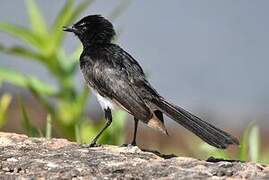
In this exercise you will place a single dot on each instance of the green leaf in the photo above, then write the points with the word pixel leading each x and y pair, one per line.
pixel 28 82
pixel 22 52
pixel 64 16
pixel 31 130
pixel 13 77
pixel 254 143
pixel 21 33
pixel 36 18
pixel 4 104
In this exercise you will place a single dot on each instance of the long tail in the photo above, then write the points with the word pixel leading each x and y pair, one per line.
pixel 204 130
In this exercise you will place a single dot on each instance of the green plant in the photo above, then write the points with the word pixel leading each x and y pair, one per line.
pixel 31 130
pixel 216 153
pixel 250 144
pixel 4 103
pixel 43 44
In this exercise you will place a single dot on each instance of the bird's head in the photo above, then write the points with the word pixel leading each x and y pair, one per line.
pixel 92 29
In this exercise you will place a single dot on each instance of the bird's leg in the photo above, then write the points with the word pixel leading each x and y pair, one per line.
pixel 108 116
pixel 135 130
pixel 133 143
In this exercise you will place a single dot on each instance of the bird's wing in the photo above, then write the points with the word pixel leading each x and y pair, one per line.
pixel 116 86
pixel 114 76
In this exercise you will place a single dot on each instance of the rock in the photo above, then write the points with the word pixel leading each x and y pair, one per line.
pixel 39 158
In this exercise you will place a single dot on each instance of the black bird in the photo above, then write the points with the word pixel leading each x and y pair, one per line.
pixel 117 79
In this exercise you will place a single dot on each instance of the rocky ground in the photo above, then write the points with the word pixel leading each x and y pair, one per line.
pixel 37 158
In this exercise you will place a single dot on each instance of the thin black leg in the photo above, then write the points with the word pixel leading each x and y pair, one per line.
pixel 108 116
pixel 135 130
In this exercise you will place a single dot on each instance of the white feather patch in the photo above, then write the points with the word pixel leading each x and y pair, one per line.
pixel 104 102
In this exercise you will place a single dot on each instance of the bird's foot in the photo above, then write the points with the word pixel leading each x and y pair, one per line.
pixel 92 144
pixel 129 145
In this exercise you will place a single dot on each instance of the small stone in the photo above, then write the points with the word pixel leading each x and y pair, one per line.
pixel 229 173
pixel 12 159
pixel 52 165
pixel 6 169
pixel 220 173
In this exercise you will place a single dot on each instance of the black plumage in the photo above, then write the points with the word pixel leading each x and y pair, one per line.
pixel 117 77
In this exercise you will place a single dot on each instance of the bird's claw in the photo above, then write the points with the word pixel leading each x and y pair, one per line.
pixel 93 144
pixel 129 145
pixel 90 145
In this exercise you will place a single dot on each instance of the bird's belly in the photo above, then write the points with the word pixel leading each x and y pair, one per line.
pixel 103 101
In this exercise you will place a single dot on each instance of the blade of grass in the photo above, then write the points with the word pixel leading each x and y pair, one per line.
pixel 4 104
pixel 246 145
pixel 243 148
pixel 48 127
pixel 43 99
pixel 77 132
pixel 254 143
pixel 31 130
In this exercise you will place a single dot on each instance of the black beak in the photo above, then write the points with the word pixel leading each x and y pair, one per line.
pixel 69 29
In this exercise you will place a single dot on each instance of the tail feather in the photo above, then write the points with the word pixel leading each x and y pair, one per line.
pixel 207 132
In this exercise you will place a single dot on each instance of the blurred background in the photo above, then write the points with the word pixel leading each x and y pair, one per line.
pixel 209 57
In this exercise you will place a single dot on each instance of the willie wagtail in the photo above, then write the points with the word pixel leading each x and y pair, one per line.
pixel 117 79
